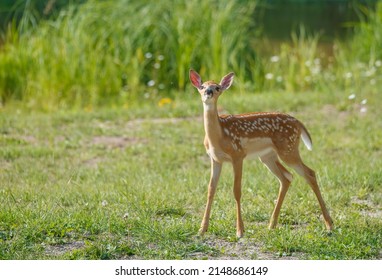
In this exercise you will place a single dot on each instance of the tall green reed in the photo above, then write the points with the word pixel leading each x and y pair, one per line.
pixel 116 51
pixel 359 61
pixel 297 66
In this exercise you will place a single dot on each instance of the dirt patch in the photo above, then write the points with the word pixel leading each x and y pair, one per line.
pixel 29 139
pixel 115 141
pixel 138 122
pixel 333 112
pixel 367 208
pixel 59 139
pixel 5 165
pixel 377 214
pixel 60 249
pixel 244 249
pixel 351 110
pixel 134 125
pixel 93 162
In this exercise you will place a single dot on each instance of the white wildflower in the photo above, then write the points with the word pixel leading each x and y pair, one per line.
pixel 269 76
pixel 363 110
pixel 370 72
pixel 315 70
pixel 348 75
pixel 275 58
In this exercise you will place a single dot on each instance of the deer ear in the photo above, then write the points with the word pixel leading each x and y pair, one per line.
pixel 195 79
pixel 227 81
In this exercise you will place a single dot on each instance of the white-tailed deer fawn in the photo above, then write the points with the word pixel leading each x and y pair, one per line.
pixel 269 136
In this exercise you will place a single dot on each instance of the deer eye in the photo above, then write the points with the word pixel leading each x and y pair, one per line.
pixel 217 88
pixel 202 87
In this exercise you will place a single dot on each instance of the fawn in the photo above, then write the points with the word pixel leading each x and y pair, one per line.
pixel 270 136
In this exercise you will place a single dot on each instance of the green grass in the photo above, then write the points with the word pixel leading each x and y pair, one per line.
pixel 131 183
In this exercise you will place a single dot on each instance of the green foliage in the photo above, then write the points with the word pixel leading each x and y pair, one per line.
pixel 116 51
pixel 360 60
pixel 367 39
pixel 297 66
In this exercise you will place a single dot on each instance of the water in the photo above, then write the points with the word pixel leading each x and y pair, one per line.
pixel 332 18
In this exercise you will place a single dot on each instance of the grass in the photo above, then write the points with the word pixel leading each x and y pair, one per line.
pixel 131 183
pixel 111 164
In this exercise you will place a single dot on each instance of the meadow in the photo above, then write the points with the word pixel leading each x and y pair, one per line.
pixel 101 153
pixel 113 184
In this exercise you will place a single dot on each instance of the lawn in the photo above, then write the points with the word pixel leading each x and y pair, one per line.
pixel 132 183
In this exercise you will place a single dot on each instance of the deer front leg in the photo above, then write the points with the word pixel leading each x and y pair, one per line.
pixel 238 169
pixel 216 168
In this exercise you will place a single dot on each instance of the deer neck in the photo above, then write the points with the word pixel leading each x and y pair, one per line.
pixel 212 125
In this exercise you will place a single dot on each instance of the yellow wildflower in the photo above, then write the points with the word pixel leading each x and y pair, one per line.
pixel 165 101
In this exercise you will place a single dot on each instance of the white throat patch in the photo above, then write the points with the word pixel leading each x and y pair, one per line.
pixel 208 106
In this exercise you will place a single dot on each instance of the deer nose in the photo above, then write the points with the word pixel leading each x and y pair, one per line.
pixel 209 91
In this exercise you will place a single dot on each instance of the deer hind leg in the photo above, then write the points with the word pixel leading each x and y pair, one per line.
pixel 310 176
pixel 238 170
pixel 215 174
pixel 285 178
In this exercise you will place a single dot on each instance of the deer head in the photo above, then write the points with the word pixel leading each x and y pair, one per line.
pixel 210 90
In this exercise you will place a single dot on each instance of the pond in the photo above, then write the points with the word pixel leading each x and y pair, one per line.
pixel 332 18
